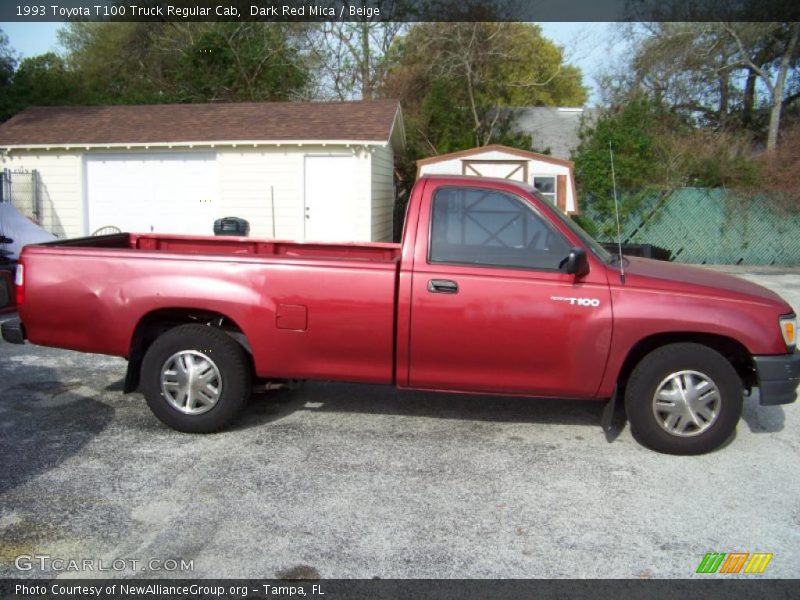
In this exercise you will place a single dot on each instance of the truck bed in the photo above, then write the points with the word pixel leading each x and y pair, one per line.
pixel 237 246
pixel 308 310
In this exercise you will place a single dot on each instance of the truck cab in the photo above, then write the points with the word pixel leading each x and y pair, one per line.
pixel 500 294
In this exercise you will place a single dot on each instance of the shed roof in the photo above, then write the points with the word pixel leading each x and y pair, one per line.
pixel 364 121
pixel 524 154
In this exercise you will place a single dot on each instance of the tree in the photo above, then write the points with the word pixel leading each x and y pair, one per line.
pixel 232 62
pixel 632 133
pixel 44 80
pixel 685 68
pixel 655 152
pixel 8 63
pixel 111 61
pixel 351 56
pixel 784 38
pixel 453 77
pixel 710 71
pixel 187 62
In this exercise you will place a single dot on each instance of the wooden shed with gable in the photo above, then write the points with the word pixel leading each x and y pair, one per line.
pixel 552 177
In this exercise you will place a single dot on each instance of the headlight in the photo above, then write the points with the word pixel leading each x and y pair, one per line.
pixel 789 331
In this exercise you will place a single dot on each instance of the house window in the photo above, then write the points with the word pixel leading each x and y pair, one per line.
pixel 475 226
pixel 546 186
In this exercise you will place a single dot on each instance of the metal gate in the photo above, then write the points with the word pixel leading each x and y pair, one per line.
pixel 21 189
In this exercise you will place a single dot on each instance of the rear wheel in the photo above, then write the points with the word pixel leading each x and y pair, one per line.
pixel 196 378
pixel 683 399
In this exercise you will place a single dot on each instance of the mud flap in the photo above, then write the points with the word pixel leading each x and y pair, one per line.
pixel 607 419
pixel 608 412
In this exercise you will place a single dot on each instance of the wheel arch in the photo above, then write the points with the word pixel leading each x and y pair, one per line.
pixel 734 351
pixel 156 322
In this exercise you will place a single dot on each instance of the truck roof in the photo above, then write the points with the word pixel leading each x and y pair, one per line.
pixel 476 181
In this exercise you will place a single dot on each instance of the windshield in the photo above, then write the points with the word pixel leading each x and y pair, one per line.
pixel 592 244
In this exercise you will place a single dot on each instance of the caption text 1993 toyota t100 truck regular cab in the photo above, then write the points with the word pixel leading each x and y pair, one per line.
pixel 492 291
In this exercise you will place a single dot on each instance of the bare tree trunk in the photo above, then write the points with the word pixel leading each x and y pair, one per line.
pixel 366 75
pixel 777 92
pixel 749 98
pixel 775 87
pixel 723 100
pixel 467 61
pixel 774 124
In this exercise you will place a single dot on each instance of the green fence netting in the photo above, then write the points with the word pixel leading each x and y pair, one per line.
pixel 711 226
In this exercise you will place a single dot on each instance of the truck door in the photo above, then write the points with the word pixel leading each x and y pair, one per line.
pixel 490 309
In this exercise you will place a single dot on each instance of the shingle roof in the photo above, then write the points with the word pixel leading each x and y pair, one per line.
pixel 553 129
pixel 174 123
pixel 494 148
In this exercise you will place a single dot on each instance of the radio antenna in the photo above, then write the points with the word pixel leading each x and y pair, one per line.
pixel 616 212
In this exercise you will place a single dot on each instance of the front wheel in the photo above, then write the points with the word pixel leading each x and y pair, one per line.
pixel 683 399
pixel 196 378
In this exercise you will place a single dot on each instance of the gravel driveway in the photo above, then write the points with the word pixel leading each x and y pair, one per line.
pixel 339 480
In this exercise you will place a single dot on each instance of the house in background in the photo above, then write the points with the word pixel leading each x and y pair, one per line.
pixel 294 170
pixel 553 177
pixel 554 130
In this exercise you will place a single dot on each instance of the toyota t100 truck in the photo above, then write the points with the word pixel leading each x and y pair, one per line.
pixel 492 291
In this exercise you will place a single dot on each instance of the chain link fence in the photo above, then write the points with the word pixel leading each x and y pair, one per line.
pixel 20 188
pixel 711 226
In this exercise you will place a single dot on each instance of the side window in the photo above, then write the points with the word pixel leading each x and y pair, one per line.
pixel 485 227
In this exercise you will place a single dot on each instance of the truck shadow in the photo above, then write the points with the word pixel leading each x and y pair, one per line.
pixel 337 397
pixel 383 400
pixel 762 419
pixel 43 422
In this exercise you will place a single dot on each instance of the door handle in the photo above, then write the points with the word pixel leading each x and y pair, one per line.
pixel 442 286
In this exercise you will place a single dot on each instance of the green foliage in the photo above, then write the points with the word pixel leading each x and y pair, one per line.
pixel 8 63
pixel 694 107
pixel 632 134
pixel 655 151
pixel 109 61
pixel 186 62
pixel 144 63
pixel 44 80
pixel 238 62
pixel 437 113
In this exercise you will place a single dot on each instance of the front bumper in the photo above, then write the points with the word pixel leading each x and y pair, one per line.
pixel 778 378
pixel 13 331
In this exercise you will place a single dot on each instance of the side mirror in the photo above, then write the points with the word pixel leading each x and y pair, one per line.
pixel 576 263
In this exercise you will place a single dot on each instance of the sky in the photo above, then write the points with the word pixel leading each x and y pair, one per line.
pixel 590 46
pixel 30 39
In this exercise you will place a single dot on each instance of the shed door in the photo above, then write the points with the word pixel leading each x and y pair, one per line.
pixel 162 193
pixel 330 198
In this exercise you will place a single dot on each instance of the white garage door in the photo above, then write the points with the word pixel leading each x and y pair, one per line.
pixel 330 198
pixel 162 193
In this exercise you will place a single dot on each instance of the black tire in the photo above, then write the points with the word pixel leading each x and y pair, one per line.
pixel 664 366
pixel 206 345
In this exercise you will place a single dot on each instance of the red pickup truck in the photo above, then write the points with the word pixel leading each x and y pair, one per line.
pixel 492 291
